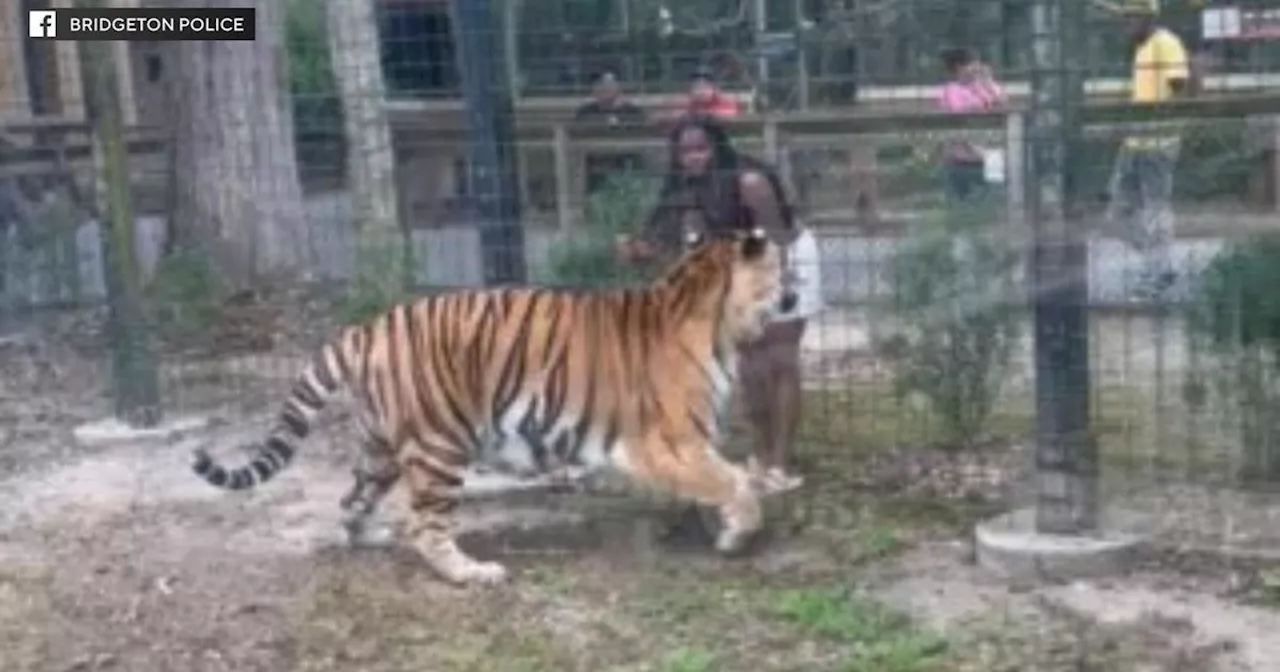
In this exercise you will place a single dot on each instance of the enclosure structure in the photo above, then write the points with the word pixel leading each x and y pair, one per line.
pixel 918 377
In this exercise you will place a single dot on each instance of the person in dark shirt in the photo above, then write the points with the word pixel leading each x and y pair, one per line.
pixel 609 106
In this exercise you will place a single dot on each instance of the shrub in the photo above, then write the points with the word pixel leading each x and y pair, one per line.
pixel 380 282
pixel 589 259
pixel 183 297
pixel 1234 317
pixel 951 284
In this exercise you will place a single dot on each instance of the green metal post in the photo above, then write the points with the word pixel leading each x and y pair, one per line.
pixel 494 181
pixel 1066 453
pixel 135 380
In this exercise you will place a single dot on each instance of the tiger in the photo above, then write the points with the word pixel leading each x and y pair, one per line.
pixel 636 379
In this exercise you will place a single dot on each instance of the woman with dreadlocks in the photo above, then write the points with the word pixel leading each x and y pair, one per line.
pixel 712 188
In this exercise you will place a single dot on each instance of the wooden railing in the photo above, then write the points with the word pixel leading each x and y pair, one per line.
pixel 427 148
pixel 776 135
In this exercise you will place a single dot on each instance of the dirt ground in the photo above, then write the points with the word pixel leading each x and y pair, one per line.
pixel 117 558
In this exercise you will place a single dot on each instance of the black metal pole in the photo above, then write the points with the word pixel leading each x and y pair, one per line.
pixel 493 180
pixel 1066 453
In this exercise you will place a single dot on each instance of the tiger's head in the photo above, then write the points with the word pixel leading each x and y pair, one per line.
pixel 735 278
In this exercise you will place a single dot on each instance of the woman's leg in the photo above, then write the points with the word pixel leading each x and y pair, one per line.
pixel 770 384
pixel 786 397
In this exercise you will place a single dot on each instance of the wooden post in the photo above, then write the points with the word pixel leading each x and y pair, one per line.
pixel 1275 163
pixel 1015 151
pixel 863 178
pixel 564 177
pixel 70 87
pixel 511 13
pixel 15 102
pixel 779 153
pixel 770 134
pixel 760 18
pixel 122 51
pixel 775 152
pixel 522 166
pixel 802 55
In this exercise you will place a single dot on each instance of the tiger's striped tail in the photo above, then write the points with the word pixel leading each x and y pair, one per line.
pixel 322 379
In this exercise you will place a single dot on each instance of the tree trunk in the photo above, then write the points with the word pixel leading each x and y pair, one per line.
pixel 237 195
pixel 383 246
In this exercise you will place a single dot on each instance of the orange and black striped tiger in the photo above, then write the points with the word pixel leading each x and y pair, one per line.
pixel 542 379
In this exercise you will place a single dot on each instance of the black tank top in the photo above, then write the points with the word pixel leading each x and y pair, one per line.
pixel 714 206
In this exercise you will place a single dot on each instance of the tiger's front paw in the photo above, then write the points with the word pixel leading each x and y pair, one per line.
pixel 734 542
pixel 742 519
pixel 479 573
pixel 364 533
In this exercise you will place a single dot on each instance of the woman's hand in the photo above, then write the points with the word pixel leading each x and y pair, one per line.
pixel 632 250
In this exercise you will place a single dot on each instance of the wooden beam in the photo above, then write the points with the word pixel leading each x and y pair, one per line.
pixel 15 99
pixel 564 178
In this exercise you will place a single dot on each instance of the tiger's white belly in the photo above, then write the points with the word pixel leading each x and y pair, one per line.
pixel 509 448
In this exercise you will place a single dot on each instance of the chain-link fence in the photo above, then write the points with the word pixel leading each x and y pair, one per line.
pixel 279 190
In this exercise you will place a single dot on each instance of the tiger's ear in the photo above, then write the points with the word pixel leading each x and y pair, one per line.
pixel 692 239
pixel 754 244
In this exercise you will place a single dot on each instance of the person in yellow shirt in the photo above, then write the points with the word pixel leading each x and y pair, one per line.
pixel 1141 187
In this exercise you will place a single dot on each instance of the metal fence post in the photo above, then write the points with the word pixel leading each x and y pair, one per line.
pixel 492 175
pixel 135 381
pixel 1066 455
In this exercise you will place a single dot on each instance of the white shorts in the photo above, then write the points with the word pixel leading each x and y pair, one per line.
pixel 803 260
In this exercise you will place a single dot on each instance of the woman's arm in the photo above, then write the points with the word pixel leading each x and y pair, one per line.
pixel 659 231
pixel 994 93
pixel 764 203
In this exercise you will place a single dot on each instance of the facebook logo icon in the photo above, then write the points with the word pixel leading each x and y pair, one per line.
pixel 42 23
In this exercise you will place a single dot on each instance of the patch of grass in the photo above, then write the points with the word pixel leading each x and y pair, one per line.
pixel 370 621
pixel 686 659
pixel 879 541
pixel 733 623
pixel 1270 587
pixel 879 639
pixel 1053 640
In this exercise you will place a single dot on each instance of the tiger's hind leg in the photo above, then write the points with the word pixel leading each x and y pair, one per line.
pixel 435 480
pixel 375 475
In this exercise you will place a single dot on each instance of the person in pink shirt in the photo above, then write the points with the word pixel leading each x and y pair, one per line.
pixel 971 88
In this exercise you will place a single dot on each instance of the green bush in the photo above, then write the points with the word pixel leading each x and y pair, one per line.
pixel 1234 317
pixel 380 282
pixel 589 258
pixel 1236 303
pixel 183 297
pixel 952 286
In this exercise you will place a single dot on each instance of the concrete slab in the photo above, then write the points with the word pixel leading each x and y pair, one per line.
pixel 1010 546
pixel 111 431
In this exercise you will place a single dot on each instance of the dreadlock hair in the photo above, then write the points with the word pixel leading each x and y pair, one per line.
pixel 716 194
